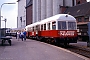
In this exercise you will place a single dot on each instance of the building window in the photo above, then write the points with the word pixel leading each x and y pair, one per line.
pixel 78 2
pixel 73 3
pixel 79 19
pixel 86 19
pixel 21 18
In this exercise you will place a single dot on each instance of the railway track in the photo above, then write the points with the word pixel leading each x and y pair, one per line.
pixel 82 50
pixel 79 50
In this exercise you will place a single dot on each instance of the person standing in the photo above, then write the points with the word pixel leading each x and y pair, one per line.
pixel 24 35
pixel 18 35
pixel 21 35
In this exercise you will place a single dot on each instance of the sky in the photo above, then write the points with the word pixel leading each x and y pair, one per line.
pixel 88 0
pixel 9 12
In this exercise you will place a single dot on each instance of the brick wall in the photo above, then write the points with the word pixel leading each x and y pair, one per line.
pixel 29 15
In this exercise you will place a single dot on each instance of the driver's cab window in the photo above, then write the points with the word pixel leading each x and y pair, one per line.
pixel 62 25
pixel 54 25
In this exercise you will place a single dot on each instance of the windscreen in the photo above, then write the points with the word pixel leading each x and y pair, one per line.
pixel 71 25
pixel 62 25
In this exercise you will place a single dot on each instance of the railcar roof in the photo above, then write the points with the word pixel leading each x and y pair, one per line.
pixel 59 17
pixel 34 24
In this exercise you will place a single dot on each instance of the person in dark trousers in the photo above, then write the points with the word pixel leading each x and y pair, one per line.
pixel 16 35
pixel 24 35
pixel 21 35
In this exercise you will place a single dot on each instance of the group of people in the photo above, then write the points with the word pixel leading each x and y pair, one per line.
pixel 21 35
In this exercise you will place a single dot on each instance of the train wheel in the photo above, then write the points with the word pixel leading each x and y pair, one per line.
pixel 48 41
pixel 39 38
pixel 66 44
pixel 56 42
pixel 53 41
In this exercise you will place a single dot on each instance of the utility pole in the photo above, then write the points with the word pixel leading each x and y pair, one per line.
pixel 88 42
pixel 5 20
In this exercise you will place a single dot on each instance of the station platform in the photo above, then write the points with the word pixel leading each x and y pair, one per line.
pixel 81 45
pixel 35 50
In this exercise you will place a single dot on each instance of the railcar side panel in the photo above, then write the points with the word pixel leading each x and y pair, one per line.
pixel 32 33
pixel 58 33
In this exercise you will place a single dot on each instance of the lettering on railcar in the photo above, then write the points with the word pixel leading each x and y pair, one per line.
pixel 66 33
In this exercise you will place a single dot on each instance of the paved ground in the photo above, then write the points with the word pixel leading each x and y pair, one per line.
pixel 82 45
pixel 35 50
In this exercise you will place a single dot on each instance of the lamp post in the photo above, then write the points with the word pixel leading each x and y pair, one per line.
pixel 1 16
pixel 5 26
pixel 5 20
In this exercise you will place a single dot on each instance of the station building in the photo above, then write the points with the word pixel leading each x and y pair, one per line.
pixel 21 19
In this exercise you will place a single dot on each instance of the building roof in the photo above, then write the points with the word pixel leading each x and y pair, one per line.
pixel 79 10
pixel 28 3
pixel 18 0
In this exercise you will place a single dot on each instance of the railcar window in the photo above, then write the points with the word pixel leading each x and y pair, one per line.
pixel 41 27
pixel 53 25
pixel 48 25
pixel 71 25
pixel 59 25
pixel 38 27
pixel 29 29
pixel 33 29
pixel 44 26
pixel 62 25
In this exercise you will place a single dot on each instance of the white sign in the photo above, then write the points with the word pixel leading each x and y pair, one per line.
pixel 67 33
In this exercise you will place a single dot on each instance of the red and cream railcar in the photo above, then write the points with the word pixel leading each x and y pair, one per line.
pixel 61 28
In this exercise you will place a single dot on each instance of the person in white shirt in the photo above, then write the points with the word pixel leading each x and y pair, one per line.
pixel 18 35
